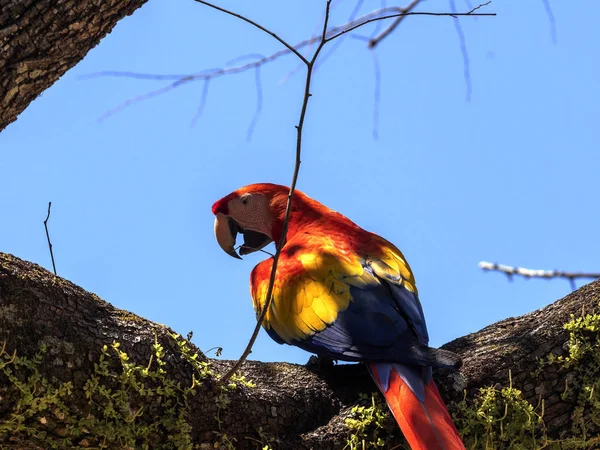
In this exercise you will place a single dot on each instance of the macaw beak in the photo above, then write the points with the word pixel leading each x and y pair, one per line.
pixel 226 230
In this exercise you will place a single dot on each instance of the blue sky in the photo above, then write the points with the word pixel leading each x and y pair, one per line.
pixel 509 177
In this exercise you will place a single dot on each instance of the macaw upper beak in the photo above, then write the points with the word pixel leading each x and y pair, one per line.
pixel 226 230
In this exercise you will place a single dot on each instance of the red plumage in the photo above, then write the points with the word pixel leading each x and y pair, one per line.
pixel 384 301
pixel 425 425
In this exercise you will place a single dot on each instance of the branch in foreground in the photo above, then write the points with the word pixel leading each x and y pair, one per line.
pixel 299 128
pixel 291 407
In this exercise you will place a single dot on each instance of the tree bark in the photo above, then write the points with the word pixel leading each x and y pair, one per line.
pixel 298 407
pixel 41 39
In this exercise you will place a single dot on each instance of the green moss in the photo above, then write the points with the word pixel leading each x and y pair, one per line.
pixel 583 383
pixel 122 405
pixel 129 316
pixel 366 424
pixel 499 418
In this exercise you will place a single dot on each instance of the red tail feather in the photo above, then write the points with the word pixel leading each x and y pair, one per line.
pixel 426 426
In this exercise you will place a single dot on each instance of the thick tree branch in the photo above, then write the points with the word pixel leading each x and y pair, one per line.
pixel 41 39
pixel 299 408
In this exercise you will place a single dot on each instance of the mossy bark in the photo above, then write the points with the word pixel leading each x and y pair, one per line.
pixel 41 39
pixel 300 408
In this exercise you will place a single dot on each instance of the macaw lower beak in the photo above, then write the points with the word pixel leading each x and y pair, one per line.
pixel 226 230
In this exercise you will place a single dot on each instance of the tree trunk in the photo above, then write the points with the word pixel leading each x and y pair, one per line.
pixel 73 396
pixel 41 39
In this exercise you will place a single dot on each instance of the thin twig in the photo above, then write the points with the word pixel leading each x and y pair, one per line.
pixel 260 27
pixel 551 19
pixel 48 237
pixel 259 102
pixel 376 95
pixel 462 40
pixel 202 104
pixel 330 51
pixel 533 273
pixel 259 91
pixel 411 13
pixel 299 128
pixel 333 33
pixel 376 40
pixel 481 5
pixel 378 25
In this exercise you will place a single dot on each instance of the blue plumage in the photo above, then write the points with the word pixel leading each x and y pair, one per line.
pixel 384 322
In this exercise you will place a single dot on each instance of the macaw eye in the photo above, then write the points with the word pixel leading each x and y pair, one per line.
pixel 245 200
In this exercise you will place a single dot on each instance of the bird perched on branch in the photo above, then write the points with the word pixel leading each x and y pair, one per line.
pixel 343 293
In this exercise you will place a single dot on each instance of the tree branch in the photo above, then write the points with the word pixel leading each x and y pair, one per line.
pixel 411 13
pixel 536 273
pixel 462 40
pixel 332 34
pixel 299 408
pixel 376 40
pixel 260 27
pixel 43 39
pixel 552 21
pixel 324 39
pixel 48 237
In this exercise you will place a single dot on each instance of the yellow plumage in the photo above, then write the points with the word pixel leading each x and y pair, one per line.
pixel 313 286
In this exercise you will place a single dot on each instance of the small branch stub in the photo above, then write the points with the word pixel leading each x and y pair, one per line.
pixel 48 237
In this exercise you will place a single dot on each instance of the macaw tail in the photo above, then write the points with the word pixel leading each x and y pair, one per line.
pixel 418 408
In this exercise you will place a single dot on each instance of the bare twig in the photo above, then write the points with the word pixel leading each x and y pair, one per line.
pixel 259 93
pixel 378 25
pixel 48 237
pixel 333 48
pixel 532 273
pixel 377 95
pixel 260 27
pixel 462 40
pixel 481 5
pixel 202 104
pixel 299 128
pixel 259 102
pixel 552 20
pixel 410 13
pixel 335 32
pixel 325 37
pixel 376 40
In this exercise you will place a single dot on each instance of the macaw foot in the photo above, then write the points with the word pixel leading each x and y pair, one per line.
pixel 319 363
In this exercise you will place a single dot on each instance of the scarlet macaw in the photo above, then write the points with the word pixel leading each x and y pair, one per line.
pixel 344 293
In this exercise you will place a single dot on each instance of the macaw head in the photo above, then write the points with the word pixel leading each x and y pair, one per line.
pixel 253 211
